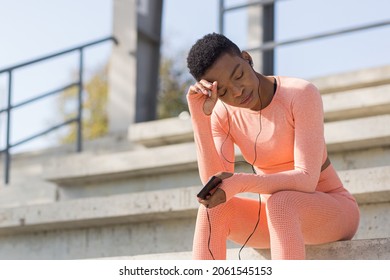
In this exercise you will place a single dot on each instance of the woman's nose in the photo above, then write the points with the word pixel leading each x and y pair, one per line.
pixel 236 91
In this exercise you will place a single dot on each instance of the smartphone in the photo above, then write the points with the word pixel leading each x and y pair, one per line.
pixel 210 185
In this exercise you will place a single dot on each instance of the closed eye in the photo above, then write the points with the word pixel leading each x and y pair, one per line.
pixel 223 94
pixel 240 76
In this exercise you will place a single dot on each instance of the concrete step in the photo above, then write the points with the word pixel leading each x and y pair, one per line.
pixel 149 222
pixel 76 168
pixel 340 136
pixel 357 103
pixel 364 249
pixel 368 77
pixel 175 130
pixel 349 95
pixel 16 195
pixel 358 134
pixel 369 186
pixel 166 167
pixel 181 130
pixel 27 168
pixel 161 132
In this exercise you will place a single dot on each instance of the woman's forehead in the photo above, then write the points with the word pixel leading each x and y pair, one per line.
pixel 223 68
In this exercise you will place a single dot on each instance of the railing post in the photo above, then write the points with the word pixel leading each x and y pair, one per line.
pixel 7 158
pixel 268 36
pixel 221 16
pixel 80 105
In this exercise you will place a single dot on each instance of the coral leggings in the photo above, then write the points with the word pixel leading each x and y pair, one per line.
pixel 288 221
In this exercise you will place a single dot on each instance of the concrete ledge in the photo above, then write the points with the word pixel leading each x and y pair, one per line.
pixel 118 209
pixel 366 249
pixel 342 107
pixel 347 95
pixel 368 185
pixel 358 133
pixel 161 132
pixel 352 80
pixel 357 103
pixel 15 196
pixel 340 136
pixel 89 168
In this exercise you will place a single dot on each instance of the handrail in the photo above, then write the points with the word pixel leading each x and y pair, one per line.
pixel 59 53
pixel 273 45
pixel 78 119
pixel 269 45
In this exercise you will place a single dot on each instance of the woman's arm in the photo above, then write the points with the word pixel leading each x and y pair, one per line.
pixel 210 161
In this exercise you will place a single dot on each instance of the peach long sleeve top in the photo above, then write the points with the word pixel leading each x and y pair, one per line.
pixel 288 153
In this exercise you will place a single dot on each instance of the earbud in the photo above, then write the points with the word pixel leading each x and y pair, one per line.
pixel 250 62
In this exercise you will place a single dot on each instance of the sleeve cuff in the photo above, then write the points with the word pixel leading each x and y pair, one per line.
pixel 230 186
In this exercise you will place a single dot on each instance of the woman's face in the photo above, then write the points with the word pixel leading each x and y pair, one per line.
pixel 238 84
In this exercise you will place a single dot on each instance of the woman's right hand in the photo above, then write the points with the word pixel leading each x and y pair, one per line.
pixel 208 92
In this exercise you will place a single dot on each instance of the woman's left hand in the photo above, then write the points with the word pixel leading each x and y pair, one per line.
pixel 218 196
pixel 215 199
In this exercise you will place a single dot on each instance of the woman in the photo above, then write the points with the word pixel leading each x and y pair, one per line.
pixel 277 122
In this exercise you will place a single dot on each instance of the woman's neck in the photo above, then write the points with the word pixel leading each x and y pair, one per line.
pixel 266 89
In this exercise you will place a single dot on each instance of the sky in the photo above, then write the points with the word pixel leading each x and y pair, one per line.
pixel 34 28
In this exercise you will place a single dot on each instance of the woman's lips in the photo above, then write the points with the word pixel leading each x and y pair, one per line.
pixel 246 99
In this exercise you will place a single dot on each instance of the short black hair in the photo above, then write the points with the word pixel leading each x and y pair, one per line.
pixel 206 51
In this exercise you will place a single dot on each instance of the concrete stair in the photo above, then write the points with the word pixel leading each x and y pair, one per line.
pixel 139 202
pixel 370 249
pixel 169 215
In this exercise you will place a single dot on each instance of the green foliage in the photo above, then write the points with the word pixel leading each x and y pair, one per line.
pixel 95 120
pixel 174 83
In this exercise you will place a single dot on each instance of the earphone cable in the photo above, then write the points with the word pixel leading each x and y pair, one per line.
pixel 249 237
pixel 209 241
pixel 252 165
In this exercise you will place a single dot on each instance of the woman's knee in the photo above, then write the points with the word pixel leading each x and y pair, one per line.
pixel 221 212
pixel 282 200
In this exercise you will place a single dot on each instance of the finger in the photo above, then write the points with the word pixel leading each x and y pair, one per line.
pixel 203 201
pixel 198 89
pixel 223 175
pixel 206 84
pixel 217 198
pixel 214 90
pixel 211 202
pixel 193 89
pixel 202 89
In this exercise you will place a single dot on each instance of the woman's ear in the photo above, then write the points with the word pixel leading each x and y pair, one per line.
pixel 245 55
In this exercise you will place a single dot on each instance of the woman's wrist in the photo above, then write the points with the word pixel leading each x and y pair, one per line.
pixel 195 106
pixel 229 186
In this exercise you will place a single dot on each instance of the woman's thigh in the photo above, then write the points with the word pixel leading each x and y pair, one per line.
pixel 323 217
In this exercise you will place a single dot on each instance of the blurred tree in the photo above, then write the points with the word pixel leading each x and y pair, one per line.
pixel 95 120
pixel 174 83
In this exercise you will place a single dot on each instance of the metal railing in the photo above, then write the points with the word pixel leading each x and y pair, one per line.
pixel 10 106
pixel 269 44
